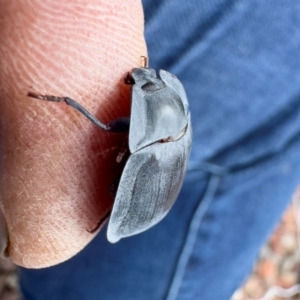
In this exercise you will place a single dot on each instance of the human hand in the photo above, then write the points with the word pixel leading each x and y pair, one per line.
pixel 57 166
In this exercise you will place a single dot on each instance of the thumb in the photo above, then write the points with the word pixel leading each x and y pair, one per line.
pixel 57 167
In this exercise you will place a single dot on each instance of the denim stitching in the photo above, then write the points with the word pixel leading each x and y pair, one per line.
pixel 191 237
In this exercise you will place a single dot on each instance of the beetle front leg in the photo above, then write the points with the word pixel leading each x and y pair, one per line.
pixel 101 221
pixel 118 125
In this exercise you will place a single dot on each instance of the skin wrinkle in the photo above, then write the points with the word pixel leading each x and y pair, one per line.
pixel 57 167
pixel 106 29
pixel 71 48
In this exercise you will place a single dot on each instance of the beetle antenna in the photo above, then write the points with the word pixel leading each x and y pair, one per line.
pixel 144 62
pixel 72 103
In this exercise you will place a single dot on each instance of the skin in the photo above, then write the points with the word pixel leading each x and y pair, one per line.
pixel 57 167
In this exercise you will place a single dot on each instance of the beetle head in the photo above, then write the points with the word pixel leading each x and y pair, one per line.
pixel 146 79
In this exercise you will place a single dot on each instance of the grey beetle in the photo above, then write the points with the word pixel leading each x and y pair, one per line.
pixel 159 142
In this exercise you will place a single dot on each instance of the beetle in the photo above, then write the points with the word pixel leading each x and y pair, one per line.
pixel 159 142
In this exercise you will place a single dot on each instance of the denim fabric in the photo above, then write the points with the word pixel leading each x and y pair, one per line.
pixel 239 62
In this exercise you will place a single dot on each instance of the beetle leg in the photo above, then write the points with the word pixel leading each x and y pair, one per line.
pixel 114 187
pixel 102 220
pixel 119 125
pixel 123 151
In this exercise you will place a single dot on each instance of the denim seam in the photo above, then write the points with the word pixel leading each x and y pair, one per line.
pixel 191 237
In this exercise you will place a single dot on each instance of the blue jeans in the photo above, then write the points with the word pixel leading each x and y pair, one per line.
pixel 239 62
